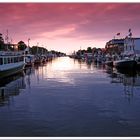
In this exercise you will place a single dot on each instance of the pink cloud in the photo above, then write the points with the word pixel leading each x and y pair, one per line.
pixel 81 21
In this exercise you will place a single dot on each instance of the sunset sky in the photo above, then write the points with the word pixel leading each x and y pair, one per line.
pixel 68 26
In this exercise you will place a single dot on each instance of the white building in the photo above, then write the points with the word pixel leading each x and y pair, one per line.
pixel 137 45
pixel 125 45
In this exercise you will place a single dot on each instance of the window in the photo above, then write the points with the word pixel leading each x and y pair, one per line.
pixel 21 58
pixel 16 58
pixel 9 60
pixel 12 60
pixel 5 60
pixel 1 61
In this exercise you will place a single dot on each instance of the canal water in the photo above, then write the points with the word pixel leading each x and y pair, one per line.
pixel 67 97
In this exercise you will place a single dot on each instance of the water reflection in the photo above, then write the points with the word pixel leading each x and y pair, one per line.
pixel 10 86
pixel 28 73
pixel 67 97
pixel 68 71
pixel 59 70
pixel 129 79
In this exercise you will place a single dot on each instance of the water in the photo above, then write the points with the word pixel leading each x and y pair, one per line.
pixel 67 97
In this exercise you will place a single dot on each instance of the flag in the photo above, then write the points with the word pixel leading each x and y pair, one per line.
pixel 118 33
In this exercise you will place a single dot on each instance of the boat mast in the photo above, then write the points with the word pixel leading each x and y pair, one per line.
pixel 7 39
pixel 131 39
pixel 37 47
pixel 28 44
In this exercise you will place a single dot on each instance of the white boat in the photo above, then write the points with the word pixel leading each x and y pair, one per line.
pixel 29 60
pixel 108 60
pixel 127 59
pixel 11 63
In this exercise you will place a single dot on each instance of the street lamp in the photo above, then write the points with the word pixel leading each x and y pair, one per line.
pixel 28 41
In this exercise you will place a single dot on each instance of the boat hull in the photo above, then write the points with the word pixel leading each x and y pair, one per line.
pixel 138 65
pixel 125 64
pixel 109 63
pixel 11 71
pixel 29 64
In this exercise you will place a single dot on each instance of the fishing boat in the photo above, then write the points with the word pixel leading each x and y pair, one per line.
pixel 127 58
pixel 126 62
pixel 138 61
pixel 38 59
pixel 109 60
pixel 11 63
pixel 29 60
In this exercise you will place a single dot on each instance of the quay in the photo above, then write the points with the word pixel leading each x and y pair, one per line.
pixel 119 53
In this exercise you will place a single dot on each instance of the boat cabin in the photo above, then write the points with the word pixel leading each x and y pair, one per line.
pixel 8 58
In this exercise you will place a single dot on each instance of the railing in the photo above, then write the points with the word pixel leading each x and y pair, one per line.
pixel 10 53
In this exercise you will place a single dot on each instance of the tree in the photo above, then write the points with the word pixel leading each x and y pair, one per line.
pixel 1 42
pixel 21 45
pixel 89 50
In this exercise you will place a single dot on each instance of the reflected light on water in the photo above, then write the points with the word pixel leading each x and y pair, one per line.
pixel 63 64
pixel 60 70
pixel 65 70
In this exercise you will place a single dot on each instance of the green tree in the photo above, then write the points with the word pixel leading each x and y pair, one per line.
pixel 1 42
pixel 89 50
pixel 21 45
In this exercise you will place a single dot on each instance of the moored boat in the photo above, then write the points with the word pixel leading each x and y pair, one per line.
pixel 138 61
pixel 38 60
pixel 125 63
pixel 11 63
pixel 109 63
pixel 127 58
pixel 29 60
pixel 109 60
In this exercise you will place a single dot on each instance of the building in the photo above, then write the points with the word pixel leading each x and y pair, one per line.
pixel 119 45
pixel 137 45
pixel 115 46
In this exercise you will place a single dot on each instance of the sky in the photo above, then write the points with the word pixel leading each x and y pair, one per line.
pixel 69 26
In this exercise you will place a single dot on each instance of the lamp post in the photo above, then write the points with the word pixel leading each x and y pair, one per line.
pixel 28 41
pixel 37 48
pixel 7 39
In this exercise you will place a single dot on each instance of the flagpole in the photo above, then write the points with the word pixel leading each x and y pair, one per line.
pixel 28 44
